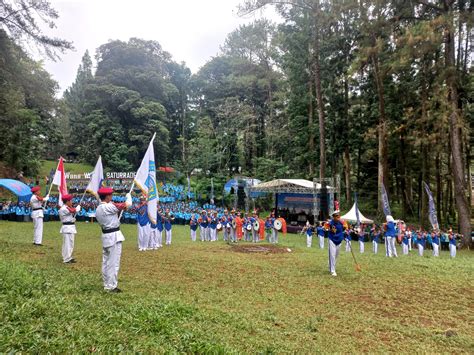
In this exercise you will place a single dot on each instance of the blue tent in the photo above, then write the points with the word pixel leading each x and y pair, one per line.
pixel 20 189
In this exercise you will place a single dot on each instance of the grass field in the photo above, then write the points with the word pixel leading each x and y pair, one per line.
pixel 205 297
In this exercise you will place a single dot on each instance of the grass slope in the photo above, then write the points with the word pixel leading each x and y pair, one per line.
pixel 204 297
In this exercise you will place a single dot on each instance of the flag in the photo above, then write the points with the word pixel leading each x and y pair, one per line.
pixel 96 179
pixel 432 208
pixel 385 203
pixel 357 210
pixel 59 180
pixel 189 187
pixel 145 179
pixel 212 191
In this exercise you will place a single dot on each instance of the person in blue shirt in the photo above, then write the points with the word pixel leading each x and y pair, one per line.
pixel 435 243
pixel 335 235
pixel 361 240
pixel 405 243
pixel 255 233
pixel 309 234
pixel 375 240
pixel 225 225
pixel 320 231
pixel 452 244
pixel 193 225
pixel 390 237
pixel 203 226
pixel 143 223
pixel 268 229
pixel 153 241
pixel 168 217
pixel 421 242
pixel 159 229
pixel 213 227
pixel 348 240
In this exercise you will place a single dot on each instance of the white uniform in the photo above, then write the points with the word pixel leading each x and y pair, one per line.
pixel 37 217
pixel 68 230
pixel 112 238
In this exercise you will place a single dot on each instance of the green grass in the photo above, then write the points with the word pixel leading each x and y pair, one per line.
pixel 204 297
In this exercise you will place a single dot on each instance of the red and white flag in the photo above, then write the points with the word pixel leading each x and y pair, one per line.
pixel 60 180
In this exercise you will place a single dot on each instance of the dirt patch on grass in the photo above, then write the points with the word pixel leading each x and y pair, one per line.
pixel 260 249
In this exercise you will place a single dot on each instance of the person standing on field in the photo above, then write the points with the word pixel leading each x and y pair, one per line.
pixel 37 214
pixel 107 215
pixel 67 215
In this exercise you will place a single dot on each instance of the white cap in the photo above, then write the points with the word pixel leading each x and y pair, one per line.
pixel 390 219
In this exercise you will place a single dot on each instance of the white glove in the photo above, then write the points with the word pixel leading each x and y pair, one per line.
pixel 46 198
pixel 78 208
pixel 128 200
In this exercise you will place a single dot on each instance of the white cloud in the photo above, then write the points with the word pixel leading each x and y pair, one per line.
pixel 192 31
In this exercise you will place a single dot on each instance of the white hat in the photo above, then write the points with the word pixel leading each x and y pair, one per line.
pixel 390 219
pixel 337 212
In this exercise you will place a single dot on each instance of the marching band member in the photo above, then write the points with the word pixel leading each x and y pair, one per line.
pixel 421 241
pixel 168 226
pixel 309 234
pixel 435 243
pixel 203 225
pixel 336 235
pixel 67 215
pixel 361 240
pixel 268 229
pixel 246 223
pixel 112 238
pixel 159 229
pixel 153 240
pixel 274 230
pixel 233 231
pixel 193 225
pixel 405 243
pixel 225 226
pixel 143 223
pixel 320 231
pixel 452 244
pixel 409 238
pixel 255 235
pixel 239 226
pixel 375 241
pixel 348 239
pixel 390 237
pixel 213 227
pixel 37 214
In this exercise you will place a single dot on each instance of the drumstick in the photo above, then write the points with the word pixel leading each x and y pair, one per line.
pixel 357 266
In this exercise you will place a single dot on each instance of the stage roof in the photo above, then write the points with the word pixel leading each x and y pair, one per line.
pixel 301 186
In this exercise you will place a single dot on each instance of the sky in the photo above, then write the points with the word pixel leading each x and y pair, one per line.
pixel 191 30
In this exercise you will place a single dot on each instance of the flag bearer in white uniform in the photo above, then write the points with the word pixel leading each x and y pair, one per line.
pixel 36 203
pixel 67 215
pixel 107 215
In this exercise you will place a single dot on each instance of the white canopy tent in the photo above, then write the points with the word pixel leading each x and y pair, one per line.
pixel 288 186
pixel 351 216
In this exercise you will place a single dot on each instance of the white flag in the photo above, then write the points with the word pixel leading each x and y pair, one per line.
pixel 96 179
pixel 145 179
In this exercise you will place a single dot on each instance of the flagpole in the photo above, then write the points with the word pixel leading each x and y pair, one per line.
pixel 51 183
pixel 133 183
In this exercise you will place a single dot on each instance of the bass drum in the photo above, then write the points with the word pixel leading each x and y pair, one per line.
pixel 277 224
pixel 256 226
pixel 219 226
pixel 234 224
pixel 249 227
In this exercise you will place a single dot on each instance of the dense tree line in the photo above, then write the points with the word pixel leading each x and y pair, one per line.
pixel 377 92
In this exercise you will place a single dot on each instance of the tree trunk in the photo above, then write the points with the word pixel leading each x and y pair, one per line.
pixel 403 177
pixel 346 155
pixel 439 189
pixel 382 133
pixel 455 122
pixel 310 123
pixel 319 98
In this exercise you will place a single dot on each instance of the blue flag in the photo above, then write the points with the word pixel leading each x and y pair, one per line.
pixel 432 208
pixel 385 203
